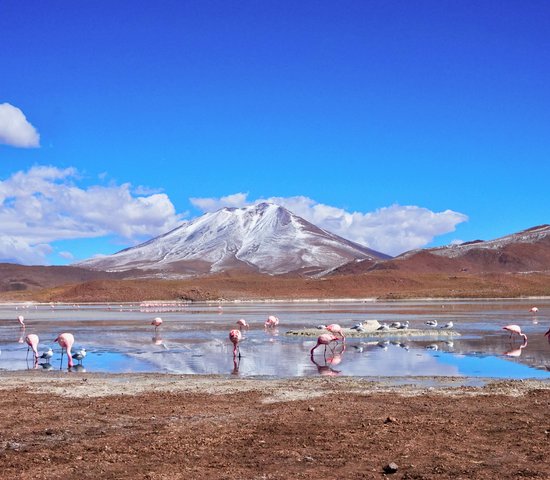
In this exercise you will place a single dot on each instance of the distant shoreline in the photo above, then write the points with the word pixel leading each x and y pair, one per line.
pixel 275 300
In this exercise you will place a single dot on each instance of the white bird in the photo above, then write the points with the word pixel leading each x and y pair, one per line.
pixel 47 354
pixel 404 326
pixel 534 310
pixel 395 324
pixel 431 323
pixel 433 346
pixel 384 326
pixel 79 356
pixel 448 325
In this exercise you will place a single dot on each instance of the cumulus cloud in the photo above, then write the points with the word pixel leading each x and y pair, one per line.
pixel 45 204
pixel 236 200
pixel 15 129
pixel 392 230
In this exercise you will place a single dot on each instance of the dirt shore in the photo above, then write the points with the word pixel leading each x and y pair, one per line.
pixel 149 426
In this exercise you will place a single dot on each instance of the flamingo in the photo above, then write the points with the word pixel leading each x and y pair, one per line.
pixel 547 334
pixel 32 341
pixel 534 310
pixel 235 337
pixel 324 339
pixel 336 329
pixel 515 329
pixel 21 320
pixel 157 322
pixel 272 321
pixel 66 341
pixel 242 324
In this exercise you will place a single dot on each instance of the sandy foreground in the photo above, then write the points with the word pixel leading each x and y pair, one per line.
pixel 159 426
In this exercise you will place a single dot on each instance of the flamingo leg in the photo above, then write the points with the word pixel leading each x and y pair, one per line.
pixel 61 363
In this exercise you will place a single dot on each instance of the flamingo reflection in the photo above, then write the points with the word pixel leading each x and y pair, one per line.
pixel 323 368
pixel 236 365
pixel 159 341
pixel 516 352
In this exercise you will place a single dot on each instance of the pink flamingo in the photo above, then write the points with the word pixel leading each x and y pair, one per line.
pixel 271 322
pixel 534 310
pixel 66 341
pixel 336 329
pixel 547 334
pixel 242 324
pixel 235 337
pixel 21 320
pixel 32 341
pixel 157 322
pixel 324 339
pixel 515 329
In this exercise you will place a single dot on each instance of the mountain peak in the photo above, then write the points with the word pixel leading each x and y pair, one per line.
pixel 265 237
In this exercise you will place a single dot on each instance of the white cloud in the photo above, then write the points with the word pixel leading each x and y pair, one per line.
pixel 66 255
pixel 236 200
pixel 15 129
pixel 44 204
pixel 393 230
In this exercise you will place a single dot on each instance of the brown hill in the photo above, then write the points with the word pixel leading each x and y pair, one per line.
pixel 389 284
pixel 522 252
pixel 512 266
pixel 14 278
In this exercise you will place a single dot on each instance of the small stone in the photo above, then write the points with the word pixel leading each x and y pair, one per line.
pixel 390 420
pixel 391 468
pixel 309 459
pixel 311 409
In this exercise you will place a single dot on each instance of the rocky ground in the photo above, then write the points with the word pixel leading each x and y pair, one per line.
pixel 146 426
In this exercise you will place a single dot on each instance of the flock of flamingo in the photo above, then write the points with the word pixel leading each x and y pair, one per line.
pixel 334 335
pixel 65 341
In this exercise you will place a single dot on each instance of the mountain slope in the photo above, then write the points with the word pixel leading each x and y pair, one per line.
pixel 525 251
pixel 263 238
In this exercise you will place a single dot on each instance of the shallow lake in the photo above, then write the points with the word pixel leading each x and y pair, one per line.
pixel 193 339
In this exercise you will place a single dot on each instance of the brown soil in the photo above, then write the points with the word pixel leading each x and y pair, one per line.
pixel 376 284
pixel 180 427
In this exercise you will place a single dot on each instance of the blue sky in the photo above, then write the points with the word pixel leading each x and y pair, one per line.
pixel 394 123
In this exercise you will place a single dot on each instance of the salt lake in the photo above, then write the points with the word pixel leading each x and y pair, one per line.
pixel 193 338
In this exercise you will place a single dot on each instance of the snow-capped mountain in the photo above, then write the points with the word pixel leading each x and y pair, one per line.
pixel 532 236
pixel 264 238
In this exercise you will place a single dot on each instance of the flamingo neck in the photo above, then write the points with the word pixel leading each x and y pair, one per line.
pixel 69 356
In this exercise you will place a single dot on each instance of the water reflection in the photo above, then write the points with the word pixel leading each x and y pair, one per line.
pixel 324 367
pixel 194 339
pixel 516 352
